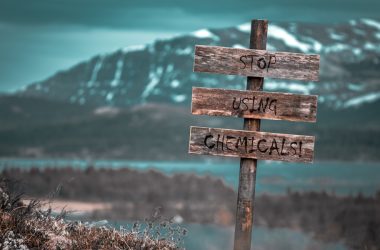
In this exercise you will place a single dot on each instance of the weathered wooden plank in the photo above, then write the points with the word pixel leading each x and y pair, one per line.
pixel 248 167
pixel 258 63
pixel 251 144
pixel 254 104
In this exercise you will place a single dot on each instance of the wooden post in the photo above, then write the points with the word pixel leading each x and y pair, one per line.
pixel 248 167
pixel 255 63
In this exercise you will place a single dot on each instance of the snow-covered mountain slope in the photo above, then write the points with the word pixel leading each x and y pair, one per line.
pixel 162 71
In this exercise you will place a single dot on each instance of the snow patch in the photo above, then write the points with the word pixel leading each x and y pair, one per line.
pixel 154 80
pixel 270 47
pixel 205 33
pixel 95 71
pixel 362 99
pixel 371 46
pixel 238 46
pixel 336 36
pixel 371 23
pixel 109 96
pixel 169 68
pixel 118 72
pixel 245 27
pixel 106 111
pixel 290 40
pixel 179 98
pixel 185 51
pixel 355 87
pixel 174 83
pixel 337 47
pixel 209 82
pixel 133 48
pixel 317 46
pixel 296 87
pixel 159 70
pixel 359 32
pixel 231 77
pixel 357 51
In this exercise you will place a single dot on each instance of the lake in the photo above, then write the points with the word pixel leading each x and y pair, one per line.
pixel 272 177
pixel 211 237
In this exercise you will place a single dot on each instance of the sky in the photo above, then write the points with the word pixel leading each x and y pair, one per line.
pixel 41 37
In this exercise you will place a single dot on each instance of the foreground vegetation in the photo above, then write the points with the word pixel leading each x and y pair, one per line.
pixel 133 194
pixel 25 226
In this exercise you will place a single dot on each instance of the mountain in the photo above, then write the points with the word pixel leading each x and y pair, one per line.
pixel 33 127
pixel 135 103
pixel 161 72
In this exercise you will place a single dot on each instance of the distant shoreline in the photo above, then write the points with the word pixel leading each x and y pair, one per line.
pixel 129 195
pixel 209 160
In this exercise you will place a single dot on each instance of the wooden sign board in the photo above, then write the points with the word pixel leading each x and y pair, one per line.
pixel 258 63
pixel 251 144
pixel 254 104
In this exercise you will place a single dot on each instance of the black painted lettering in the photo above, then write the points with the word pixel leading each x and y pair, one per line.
pixel 274 147
pixel 282 147
pixel 219 142
pixel 292 146
pixel 271 62
pixel 273 106
pixel 210 146
pixel 300 145
pixel 252 148
pixel 241 59
pixel 242 142
pixel 251 56
pixel 228 138
pixel 253 105
pixel 233 103
pixel 261 63
pixel 245 104
pixel 262 106
pixel 258 146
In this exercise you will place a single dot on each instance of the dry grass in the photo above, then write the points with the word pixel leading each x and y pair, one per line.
pixel 25 226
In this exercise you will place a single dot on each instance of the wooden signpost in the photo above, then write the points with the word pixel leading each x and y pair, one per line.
pixel 253 104
pixel 251 144
pixel 253 62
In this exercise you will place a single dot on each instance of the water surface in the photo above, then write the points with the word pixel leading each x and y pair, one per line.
pixel 272 177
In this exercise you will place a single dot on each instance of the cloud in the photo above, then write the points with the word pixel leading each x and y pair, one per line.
pixel 31 53
pixel 39 37
pixel 171 14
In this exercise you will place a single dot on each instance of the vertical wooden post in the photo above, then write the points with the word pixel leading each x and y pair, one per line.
pixel 248 167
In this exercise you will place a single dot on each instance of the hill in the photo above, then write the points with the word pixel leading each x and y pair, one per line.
pixel 42 128
pixel 162 71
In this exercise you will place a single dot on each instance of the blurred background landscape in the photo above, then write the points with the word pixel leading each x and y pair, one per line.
pixel 95 114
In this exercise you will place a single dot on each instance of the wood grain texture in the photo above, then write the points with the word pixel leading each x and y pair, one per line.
pixel 248 167
pixel 254 62
pixel 251 144
pixel 254 104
